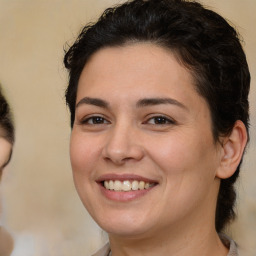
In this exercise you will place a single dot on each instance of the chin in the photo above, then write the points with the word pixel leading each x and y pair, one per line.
pixel 124 226
pixel 124 231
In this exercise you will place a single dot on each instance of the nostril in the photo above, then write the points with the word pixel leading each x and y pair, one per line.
pixel 122 147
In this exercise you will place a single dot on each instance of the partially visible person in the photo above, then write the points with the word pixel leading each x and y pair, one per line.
pixel 6 144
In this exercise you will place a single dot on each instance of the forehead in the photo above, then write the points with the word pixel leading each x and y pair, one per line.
pixel 141 64
pixel 131 53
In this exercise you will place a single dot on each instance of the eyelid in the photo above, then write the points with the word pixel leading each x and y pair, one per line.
pixel 170 121
pixel 85 119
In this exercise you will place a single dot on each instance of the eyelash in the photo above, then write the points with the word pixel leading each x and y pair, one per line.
pixel 158 120
pixel 95 120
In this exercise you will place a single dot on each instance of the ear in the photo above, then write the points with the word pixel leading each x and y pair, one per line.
pixel 232 150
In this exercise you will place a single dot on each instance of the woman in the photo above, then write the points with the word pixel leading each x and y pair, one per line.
pixel 158 95
pixel 6 143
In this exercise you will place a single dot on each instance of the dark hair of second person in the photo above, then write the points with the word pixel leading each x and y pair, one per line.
pixel 6 122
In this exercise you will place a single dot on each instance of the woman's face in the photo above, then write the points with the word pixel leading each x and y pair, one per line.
pixel 5 151
pixel 142 129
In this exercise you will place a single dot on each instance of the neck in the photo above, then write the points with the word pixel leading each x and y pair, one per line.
pixel 197 240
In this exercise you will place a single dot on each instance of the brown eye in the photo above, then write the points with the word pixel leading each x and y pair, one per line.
pixel 160 120
pixel 94 120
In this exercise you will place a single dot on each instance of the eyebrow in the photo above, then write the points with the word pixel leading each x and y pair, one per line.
pixel 159 101
pixel 93 101
pixel 141 103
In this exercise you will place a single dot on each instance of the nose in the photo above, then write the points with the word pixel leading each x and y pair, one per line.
pixel 123 145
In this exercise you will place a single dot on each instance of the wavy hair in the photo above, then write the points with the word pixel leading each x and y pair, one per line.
pixel 203 41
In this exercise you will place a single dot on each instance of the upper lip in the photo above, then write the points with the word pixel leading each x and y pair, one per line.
pixel 123 177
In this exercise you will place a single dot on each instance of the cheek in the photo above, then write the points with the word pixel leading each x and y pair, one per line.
pixel 188 168
pixel 171 153
pixel 84 153
pixel 83 156
pixel 185 159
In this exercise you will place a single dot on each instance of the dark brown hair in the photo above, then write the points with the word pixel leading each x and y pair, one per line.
pixel 6 121
pixel 203 41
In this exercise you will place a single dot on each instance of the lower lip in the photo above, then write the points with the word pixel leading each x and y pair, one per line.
pixel 122 196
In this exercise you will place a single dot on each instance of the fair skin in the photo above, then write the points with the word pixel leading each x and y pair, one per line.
pixel 6 241
pixel 139 118
pixel 5 151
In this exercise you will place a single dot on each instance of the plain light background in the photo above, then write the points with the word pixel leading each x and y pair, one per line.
pixel 41 207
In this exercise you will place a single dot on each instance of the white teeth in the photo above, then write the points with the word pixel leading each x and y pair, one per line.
pixel 111 184
pixel 135 185
pixel 126 185
pixel 117 185
pixel 106 185
pixel 141 185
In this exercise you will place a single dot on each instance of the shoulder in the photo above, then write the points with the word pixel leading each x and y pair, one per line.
pixel 104 251
pixel 229 243
pixel 6 242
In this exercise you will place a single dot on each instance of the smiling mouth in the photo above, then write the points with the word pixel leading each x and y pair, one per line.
pixel 127 185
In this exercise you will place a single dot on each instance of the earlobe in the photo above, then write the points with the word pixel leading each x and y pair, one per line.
pixel 232 150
